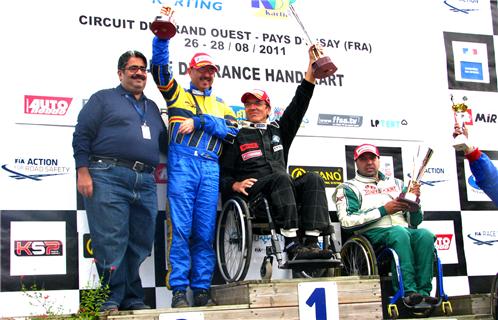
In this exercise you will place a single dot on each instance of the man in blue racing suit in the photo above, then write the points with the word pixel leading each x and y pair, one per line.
pixel 198 122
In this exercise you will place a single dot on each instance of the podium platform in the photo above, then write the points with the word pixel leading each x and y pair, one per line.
pixel 358 297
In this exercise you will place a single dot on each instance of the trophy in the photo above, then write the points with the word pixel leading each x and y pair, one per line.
pixel 164 26
pixel 323 67
pixel 416 176
pixel 460 142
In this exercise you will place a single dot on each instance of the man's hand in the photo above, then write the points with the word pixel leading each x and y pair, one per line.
pixel 312 54
pixel 394 206
pixel 187 126
pixel 241 186
pixel 463 130
pixel 460 130
pixel 85 182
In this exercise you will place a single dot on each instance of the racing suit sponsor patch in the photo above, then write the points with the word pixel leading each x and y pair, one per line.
pixel 251 154
pixel 246 146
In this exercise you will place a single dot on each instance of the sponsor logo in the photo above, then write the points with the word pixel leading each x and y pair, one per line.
pixel 240 113
pixel 484 237
pixel 462 6
pixel 433 171
pixel 34 168
pixel 471 70
pixel 339 120
pixel 53 106
pixel 332 176
pixel 443 241
pixel 390 124
pixel 488 118
pixel 278 148
pixel 266 238
pixel 87 246
pixel 305 122
pixel 161 174
pixel 272 8
pixel 251 154
pixel 37 248
pixel 276 114
pixel 196 4
pixel 472 182
pixel 247 146
pixel 466 117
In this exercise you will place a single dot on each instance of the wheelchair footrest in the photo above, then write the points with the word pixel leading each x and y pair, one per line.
pixel 421 306
pixel 311 263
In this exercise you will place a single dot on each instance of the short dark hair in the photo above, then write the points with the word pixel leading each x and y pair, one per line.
pixel 123 60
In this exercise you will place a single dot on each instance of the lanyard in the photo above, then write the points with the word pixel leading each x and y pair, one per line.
pixel 137 108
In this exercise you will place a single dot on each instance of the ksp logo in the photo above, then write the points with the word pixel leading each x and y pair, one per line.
pixel 443 241
pixel 53 106
pixel 37 248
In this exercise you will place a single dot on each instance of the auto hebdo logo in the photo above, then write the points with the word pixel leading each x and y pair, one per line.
pixel 443 241
pixel 42 105
pixel 37 248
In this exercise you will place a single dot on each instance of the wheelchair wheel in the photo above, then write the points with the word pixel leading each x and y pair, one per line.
pixel 494 297
pixel 358 257
pixel 234 240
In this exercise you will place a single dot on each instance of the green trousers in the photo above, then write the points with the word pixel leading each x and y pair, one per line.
pixel 415 248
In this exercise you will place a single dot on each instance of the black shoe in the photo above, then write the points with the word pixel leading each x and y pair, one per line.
pixel 203 298
pixel 138 306
pixel 431 300
pixel 413 299
pixel 296 251
pixel 108 308
pixel 320 253
pixel 179 299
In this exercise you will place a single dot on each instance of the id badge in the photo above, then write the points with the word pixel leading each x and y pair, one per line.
pixel 146 132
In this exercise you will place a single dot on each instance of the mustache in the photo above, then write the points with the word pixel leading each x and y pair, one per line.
pixel 206 78
pixel 138 76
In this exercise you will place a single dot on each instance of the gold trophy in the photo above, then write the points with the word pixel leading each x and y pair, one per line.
pixel 460 142
pixel 418 170
pixel 323 67
pixel 164 26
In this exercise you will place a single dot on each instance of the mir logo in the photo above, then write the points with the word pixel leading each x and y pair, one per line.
pixel 37 248
pixel 272 4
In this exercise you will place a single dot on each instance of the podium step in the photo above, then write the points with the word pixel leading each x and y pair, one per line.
pixel 358 297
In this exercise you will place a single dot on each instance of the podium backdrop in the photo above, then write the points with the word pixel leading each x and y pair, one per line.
pixel 398 64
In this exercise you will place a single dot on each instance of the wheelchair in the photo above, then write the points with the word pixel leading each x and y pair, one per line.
pixel 359 258
pixel 238 221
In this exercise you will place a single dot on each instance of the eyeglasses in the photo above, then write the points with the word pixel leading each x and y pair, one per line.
pixel 134 69
pixel 208 69
pixel 259 103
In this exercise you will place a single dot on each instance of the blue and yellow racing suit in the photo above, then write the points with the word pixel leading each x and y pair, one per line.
pixel 193 173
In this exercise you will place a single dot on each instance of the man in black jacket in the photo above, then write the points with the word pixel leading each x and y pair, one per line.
pixel 256 163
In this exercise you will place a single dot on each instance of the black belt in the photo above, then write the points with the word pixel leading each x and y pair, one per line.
pixel 133 165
